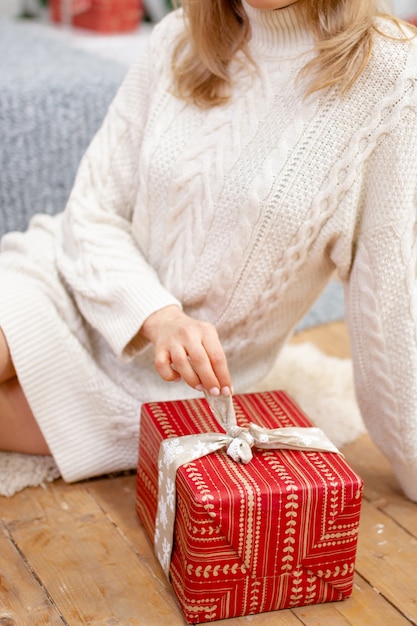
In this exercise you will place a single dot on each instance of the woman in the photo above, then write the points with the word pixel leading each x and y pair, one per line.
pixel 256 148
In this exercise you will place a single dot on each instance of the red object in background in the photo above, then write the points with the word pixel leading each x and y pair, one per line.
pixel 279 532
pixel 105 16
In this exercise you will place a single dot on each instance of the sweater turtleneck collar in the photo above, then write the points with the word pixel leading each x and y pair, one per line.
pixel 280 31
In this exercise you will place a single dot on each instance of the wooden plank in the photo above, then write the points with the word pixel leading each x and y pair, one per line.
pixel 381 486
pixel 116 497
pixel 387 560
pixel 22 599
pixel 322 615
pixel 332 339
pixel 89 569
pixel 284 618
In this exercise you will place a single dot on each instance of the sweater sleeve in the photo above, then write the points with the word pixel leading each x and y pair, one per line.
pixel 381 303
pixel 113 285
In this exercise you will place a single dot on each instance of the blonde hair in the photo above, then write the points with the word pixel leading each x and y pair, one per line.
pixel 342 29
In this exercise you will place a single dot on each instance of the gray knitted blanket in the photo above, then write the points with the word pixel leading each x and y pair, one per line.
pixel 52 100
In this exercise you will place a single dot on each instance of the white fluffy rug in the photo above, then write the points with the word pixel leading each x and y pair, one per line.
pixel 18 471
pixel 322 386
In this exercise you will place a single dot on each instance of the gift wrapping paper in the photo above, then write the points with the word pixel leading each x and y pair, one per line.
pixel 278 532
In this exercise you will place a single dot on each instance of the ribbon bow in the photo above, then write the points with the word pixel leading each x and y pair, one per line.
pixel 177 451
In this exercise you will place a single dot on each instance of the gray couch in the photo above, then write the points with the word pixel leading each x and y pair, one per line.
pixel 52 100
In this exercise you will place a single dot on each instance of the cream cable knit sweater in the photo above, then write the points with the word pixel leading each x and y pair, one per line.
pixel 240 213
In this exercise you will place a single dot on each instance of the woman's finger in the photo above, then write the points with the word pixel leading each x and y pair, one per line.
pixel 218 362
pixel 209 362
pixel 164 366
pixel 182 363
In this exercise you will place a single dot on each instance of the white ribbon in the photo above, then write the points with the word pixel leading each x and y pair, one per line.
pixel 177 451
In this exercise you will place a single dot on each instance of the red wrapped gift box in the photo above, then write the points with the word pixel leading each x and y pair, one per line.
pixel 276 533
pixel 105 16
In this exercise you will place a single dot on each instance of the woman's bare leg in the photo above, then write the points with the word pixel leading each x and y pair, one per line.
pixel 19 431
pixel 6 364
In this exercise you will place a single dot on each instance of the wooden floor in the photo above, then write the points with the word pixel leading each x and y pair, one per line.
pixel 76 554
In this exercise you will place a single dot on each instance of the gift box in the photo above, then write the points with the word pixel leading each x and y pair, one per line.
pixel 105 16
pixel 277 532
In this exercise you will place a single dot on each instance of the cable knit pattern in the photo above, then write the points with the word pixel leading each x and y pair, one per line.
pixel 240 213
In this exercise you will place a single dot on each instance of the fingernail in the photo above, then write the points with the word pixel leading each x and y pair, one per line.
pixel 199 387
pixel 225 391
pixel 214 391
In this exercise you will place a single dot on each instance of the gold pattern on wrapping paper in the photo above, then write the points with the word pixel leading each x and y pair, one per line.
pixel 148 484
pixel 210 571
pixel 311 588
pixel 209 610
pixel 291 515
pixel 348 568
pixel 349 535
pixel 163 421
pixel 292 489
pixel 248 546
pixel 202 488
pixel 297 588
pixel 254 595
pixel 333 482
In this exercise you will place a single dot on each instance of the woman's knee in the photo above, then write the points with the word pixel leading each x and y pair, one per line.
pixel 7 369
pixel 19 431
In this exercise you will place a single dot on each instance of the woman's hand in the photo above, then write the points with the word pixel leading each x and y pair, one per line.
pixel 187 349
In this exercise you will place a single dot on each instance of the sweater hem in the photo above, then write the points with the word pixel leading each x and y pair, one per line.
pixel 55 386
